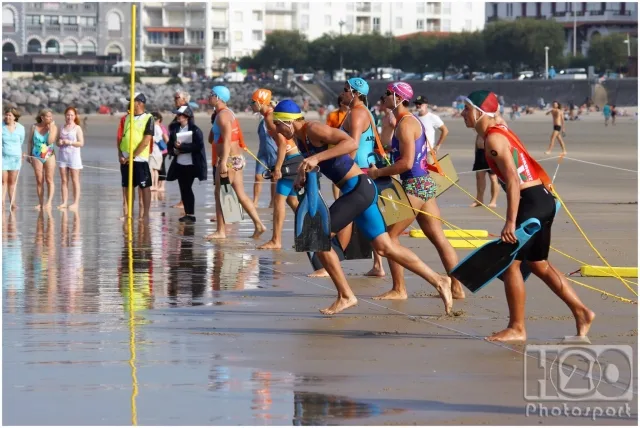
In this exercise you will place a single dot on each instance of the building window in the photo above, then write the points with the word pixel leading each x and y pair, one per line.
pixel 446 25
pixel 114 25
pixel 376 25
pixel 196 36
pixel 304 22
pixel 509 9
pixel 468 25
pixel 88 47
pixel 420 7
pixel 31 19
pixel 420 24
pixel 8 21
pixel 52 20
pixel 69 47
pixel 398 23
pixel 87 21
pixel 237 16
pixel 327 20
pixel 446 8
pixel 304 6
pixel 594 6
pixel 154 38
pixel 52 47
pixel 469 6
pixel 34 46
pixel 176 38
pixel 237 36
pixel 70 20
pixel 257 15
pixel 256 35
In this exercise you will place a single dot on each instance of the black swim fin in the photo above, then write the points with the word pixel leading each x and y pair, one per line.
pixel 315 261
pixel 312 221
pixel 491 260
pixel 359 247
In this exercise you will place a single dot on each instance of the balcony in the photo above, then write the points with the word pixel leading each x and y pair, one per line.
pixel 363 7
pixel 34 28
pixel 363 29
pixel 8 28
pixel 220 43
pixel 52 28
pixel 493 18
pixel 598 17
pixel 433 9
pixel 70 28
pixel 278 7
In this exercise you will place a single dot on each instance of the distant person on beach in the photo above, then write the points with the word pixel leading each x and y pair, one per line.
pixel 190 159
pixel 558 127
pixel 614 113
pixel 42 139
pixel 431 123
pixel 69 160
pixel 606 111
pixel 142 129
pixel 180 98
pixel 161 138
pixel 12 140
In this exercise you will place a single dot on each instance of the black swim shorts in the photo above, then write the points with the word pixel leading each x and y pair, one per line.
pixel 536 202
pixel 141 175
pixel 557 128
pixel 480 162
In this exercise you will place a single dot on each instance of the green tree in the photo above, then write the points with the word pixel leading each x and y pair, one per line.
pixel 283 49
pixel 610 52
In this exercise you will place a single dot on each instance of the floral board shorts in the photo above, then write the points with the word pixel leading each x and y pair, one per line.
pixel 236 162
pixel 421 187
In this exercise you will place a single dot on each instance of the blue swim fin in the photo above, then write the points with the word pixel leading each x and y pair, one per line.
pixel 312 221
pixel 491 260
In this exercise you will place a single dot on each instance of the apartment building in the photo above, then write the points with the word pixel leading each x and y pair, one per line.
pixel 591 19
pixel 398 18
pixel 64 37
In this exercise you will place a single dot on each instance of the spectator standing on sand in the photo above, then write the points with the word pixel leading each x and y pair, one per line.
pixel 431 122
pixel 180 98
pixel 69 160
pixel 161 138
pixel 12 140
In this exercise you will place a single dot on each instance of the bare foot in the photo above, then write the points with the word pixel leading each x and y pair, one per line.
pixel 271 245
pixel 320 273
pixel 392 295
pixel 14 207
pixel 38 207
pixel 376 272
pixel 63 206
pixel 178 205
pixel 547 152
pixel 444 288
pixel 508 335
pixel 475 205
pixel 47 206
pixel 73 207
pixel 340 305
pixel 493 205
pixel 563 154
pixel 260 229
pixel 456 290
pixel 216 235
pixel 583 322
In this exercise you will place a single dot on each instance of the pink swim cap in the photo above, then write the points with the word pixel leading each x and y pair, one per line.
pixel 401 88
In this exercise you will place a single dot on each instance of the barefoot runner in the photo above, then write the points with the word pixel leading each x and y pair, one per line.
pixel 527 197
pixel 287 151
pixel 358 201
pixel 409 151
pixel 231 162
pixel 558 127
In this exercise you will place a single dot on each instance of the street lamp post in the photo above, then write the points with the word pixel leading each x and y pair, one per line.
pixel 628 43
pixel 181 60
pixel 341 24
pixel 546 62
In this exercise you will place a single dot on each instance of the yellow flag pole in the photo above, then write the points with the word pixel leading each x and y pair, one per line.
pixel 132 322
pixel 132 87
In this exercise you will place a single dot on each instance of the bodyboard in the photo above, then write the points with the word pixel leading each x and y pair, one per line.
pixel 392 212
pixel 491 260
pixel 312 220
pixel 359 247
pixel 231 210
pixel 443 183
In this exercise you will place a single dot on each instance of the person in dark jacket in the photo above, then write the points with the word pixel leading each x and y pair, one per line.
pixel 189 161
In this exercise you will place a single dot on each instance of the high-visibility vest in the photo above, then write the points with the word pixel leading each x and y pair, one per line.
pixel 139 125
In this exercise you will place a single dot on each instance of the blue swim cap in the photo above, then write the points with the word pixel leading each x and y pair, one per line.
pixel 287 110
pixel 359 84
pixel 221 92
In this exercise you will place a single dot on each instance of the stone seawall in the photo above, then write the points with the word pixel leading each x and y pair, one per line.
pixel 623 92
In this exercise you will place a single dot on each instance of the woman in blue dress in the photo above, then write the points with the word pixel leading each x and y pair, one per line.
pixel 12 140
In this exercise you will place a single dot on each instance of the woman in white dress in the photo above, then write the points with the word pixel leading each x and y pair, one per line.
pixel 70 141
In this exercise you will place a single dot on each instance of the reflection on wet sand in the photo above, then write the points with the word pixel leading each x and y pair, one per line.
pixel 232 270
pixel 320 409
pixel 13 277
pixel 187 273
pixel 142 292
pixel 71 264
pixel 42 267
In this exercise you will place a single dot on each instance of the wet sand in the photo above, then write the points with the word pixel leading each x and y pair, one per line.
pixel 224 334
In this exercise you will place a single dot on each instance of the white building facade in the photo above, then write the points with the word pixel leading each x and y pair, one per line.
pixel 240 27
pixel 592 19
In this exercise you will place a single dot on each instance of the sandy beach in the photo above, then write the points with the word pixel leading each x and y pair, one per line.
pixel 220 333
